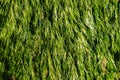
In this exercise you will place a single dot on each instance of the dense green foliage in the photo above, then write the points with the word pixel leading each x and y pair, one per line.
pixel 59 40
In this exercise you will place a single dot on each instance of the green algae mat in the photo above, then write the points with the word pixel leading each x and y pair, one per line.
pixel 59 40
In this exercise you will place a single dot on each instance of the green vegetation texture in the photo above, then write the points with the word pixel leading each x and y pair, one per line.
pixel 59 40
